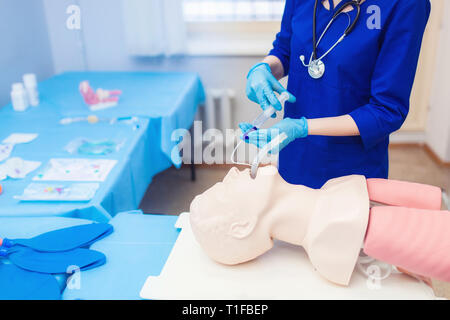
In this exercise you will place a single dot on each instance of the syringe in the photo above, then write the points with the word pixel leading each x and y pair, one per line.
pixel 266 115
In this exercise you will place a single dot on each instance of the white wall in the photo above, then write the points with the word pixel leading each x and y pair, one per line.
pixel 438 126
pixel 104 40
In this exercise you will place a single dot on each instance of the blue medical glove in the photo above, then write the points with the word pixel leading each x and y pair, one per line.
pixel 262 85
pixel 293 128
pixel 244 126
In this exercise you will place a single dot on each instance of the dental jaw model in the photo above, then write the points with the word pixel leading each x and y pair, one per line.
pixel 236 221
pixel 100 99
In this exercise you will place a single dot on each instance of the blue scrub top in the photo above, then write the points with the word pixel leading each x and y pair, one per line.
pixel 368 76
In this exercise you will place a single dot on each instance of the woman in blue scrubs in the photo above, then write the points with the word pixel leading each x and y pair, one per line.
pixel 339 124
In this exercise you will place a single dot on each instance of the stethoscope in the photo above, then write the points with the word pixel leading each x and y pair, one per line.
pixel 316 67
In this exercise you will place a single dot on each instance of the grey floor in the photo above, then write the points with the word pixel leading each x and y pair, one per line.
pixel 172 191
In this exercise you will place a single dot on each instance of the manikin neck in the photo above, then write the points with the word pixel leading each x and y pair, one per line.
pixel 326 4
pixel 290 223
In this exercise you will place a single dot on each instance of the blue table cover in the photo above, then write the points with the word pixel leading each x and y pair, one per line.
pixel 138 248
pixel 137 162
pixel 164 102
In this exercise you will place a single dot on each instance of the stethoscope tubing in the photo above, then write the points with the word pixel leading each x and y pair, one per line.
pixel 348 30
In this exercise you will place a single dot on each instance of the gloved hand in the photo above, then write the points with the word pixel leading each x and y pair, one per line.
pixel 293 128
pixel 262 85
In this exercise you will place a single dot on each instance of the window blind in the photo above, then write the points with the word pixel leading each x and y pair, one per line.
pixel 233 10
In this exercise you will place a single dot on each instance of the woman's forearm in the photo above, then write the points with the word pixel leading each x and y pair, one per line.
pixel 334 126
pixel 275 65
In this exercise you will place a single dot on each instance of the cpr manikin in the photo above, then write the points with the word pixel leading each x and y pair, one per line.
pixel 237 220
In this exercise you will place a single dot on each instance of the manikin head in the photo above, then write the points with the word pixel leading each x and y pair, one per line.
pixel 229 220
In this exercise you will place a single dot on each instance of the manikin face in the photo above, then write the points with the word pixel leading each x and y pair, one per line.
pixel 228 219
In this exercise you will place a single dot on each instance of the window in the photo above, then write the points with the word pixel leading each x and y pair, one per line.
pixel 233 10
pixel 232 27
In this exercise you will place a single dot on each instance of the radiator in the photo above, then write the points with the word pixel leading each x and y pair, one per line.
pixel 218 109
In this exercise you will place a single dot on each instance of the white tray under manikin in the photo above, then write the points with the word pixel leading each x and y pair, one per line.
pixel 282 273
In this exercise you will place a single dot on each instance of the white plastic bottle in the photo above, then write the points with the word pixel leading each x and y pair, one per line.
pixel 19 97
pixel 30 83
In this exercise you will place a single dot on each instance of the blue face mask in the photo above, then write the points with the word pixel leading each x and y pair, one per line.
pixel 34 260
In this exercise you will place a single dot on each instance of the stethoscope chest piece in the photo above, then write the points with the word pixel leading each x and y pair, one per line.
pixel 316 69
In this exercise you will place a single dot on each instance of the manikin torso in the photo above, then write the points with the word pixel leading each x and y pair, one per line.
pixel 236 220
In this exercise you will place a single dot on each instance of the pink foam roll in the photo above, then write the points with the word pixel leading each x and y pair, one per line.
pixel 413 239
pixel 404 194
